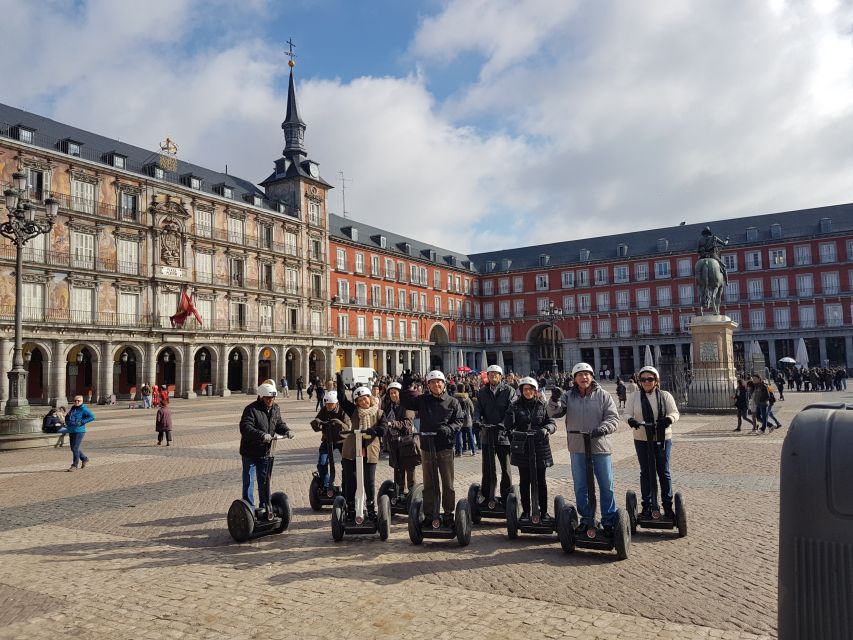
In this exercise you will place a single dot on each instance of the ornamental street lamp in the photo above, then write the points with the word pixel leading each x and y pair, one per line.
pixel 552 315
pixel 20 229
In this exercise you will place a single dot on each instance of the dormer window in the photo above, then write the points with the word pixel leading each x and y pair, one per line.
pixel 224 190
pixel 490 266
pixel 622 250
pixel 506 263
pixel 752 234
pixel 544 259
pixel 826 225
pixel 155 171
pixel 71 147
pixel 117 160
pixel 380 240
pixel 193 182
pixel 353 234
pixel 280 207
pixel 432 254
pixel 24 134
pixel 405 247
pixel 584 255
pixel 776 231
pixel 663 245
pixel 257 200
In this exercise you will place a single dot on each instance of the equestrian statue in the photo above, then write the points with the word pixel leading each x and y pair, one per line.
pixel 711 276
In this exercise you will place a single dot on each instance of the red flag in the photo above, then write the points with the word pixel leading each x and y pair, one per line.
pixel 185 308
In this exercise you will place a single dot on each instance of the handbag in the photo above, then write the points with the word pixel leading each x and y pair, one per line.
pixel 518 444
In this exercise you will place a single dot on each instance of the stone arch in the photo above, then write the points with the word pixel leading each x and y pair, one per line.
pixel 38 362
pixel 292 365
pixel 439 350
pixel 82 362
pixel 545 343
pixel 205 369
pixel 267 363
pixel 169 362
pixel 237 368
pixel 127 362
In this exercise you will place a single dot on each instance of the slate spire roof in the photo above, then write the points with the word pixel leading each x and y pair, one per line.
pixel 293 126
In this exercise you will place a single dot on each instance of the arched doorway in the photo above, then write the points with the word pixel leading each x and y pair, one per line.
pixel 546 347
pixel 125 372
pixel 78 373
pixel 235 371
pixel 291 367
pixel 166 375
pixel 317 366
pixel 439 343
pixel 34 364
pixel 267 358
pixel 203 371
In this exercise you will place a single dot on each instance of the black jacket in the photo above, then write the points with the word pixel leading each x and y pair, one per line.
pixel 491 407
pixel 525 416
pixel 443 411
pixel 255 422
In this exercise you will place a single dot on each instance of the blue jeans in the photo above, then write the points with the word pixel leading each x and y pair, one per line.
pixel 256 468
pixel 602 466
pixel 146 402
pixel 761 413
pixel 323 464
pixel 662 466
pixel 772 416
pixel 465 434
pixel 75 439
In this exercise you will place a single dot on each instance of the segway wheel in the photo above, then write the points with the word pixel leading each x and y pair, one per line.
pixel 559 503
pixel 338 514
pixel 621 535
pixel 463 523
pixel 314 494
pixel 512 516
pixel 281 508
pixel 388 488
pixel 566 528
pixel 383 517
pixel 241 521
pixel 416 512
pixel 473 492
pixel 631 508
pixel 415 493
pixel 680 516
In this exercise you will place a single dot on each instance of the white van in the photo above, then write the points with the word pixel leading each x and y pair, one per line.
pixel 358 375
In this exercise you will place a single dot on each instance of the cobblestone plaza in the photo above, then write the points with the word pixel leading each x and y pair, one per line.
pixel 136 546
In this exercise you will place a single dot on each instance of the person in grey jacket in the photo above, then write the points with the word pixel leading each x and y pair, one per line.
pixel 589 409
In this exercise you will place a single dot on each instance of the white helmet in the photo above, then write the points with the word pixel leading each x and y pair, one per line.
pixel 528 380
pixel 582 366
pixel 331 397
pixel 395 385
pixel 651 370
pixel 494 369
pixel 360 391
pixel 436 375
pixel 267 389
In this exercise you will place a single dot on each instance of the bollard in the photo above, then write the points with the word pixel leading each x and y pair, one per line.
pixel 816 526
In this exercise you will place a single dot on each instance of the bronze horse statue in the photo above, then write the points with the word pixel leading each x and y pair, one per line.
pixel 710 284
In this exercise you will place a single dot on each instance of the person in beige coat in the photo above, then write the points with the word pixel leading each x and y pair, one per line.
pixel 652 405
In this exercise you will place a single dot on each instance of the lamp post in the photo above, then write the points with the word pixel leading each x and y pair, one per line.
pixel 20 228
pixel 552 315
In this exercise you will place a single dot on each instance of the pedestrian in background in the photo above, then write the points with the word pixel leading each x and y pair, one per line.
pixel 741 398
pixel 285 389
pixel 621 392
pixel 163 422
pixel 76 420
pixel 300 384
pixel 146 396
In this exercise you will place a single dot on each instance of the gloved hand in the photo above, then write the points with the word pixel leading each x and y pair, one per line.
pixel 407 379
pixel 664 422
pixel 336 424
pixel 445 432
pixel 367 434
pixel 542 434
pixel 477 425
pixel 316 424
pixel 598 432
pixel 267 438
pixel 556 393
pixel 632 422
pixel 288 434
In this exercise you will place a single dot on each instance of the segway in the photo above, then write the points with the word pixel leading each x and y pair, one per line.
pixel 460 528
pixel 320 495
pixel 245 523
pixel 488 506
pixel 658 519
pixel 361 522
pixel 400 500
pixel 534 523
pixel 594 537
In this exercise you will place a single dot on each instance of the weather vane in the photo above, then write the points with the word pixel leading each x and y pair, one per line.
pixel 290 54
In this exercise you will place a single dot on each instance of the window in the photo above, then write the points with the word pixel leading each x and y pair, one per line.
pixel 361 327
pixel 685 267
pixel 488 311
pixel 623 327
pixel 437 303
pixel 802 254
pixel 600 275
pixel 807 317
pixel 436 279
pixel 644 325
pixel 779 286
pixel 541 281
pixel 401 327
pixel 290 243
pixel 194 183
pixel 314 213
pixel 620 273
pixel 641 271
pixel 238 315
pixel 203 223
pixel 568 304
pixel 450 282
pixel 476 285
pixel 643 299
pixel 389 269
pixel 833 315
pixel 128 206
pixel 503 286
pixel 623 299
pixel 488 287
pixel 389 298
pixel 128 308
pixel 238 270
pixel 805 285
pixel 777 258
pixel 734 314
pixel 415 330
pixel 827 252
pixel 584 303
pixel 72 148
pixel 755 289
pixel 684 322
pixel 518 310
pixel 604 327
pixel 662 269
pixel 602 301
pixel 265 317
pixel 34 250
pixel 583 278
pixel 413 299
pixel 685 294
pixel 756 319
pixel 414 273
pixel 730 261
pixel 423 305
pixel 664 296
pixel 374 266
pixel 389 328
pixel 33 293
pixel 782 318
pixel 732 291
pixel 291 281
pixel 265 236
pixel 401 272
pixel 504 308
pixel 468 283
pixel 317 289
pixel 489 334
pixel 753 260
pixel 377 327
pixel 585 329
pixel 850 249
pixel 82 196
pixel 401 299
pixel 517 285
pixel 567 279
pixel 82 305
pixel 752 234
pixel 235 230
pixel 830 283
pixel 316 321
pixel 476 310
pixel 82 250
pixel 37 184
pixel 127 252
pixel 167 303
pixel 265 273
pixel 506 334
pixel 457 282
pixel 340 259
pixel 665 324
pixel 343 325
pixel 25 135
pixel 315 250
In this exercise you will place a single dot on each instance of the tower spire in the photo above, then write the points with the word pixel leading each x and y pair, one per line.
pixel 293 126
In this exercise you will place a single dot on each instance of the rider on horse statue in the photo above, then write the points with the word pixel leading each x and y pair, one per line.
pixel 709 247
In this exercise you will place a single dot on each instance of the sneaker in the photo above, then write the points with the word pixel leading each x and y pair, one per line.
pixel 668 512
pixel 447 520
pixel 473 452
pixel 524 515
pixel 646 513
pixel 608 532
pixel 738 429
pixel 83 464
pixel 544 517
pixel 581 529
pixel 71 468
pixel 458 455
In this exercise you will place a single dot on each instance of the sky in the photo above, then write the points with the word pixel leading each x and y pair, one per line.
pixel 475 125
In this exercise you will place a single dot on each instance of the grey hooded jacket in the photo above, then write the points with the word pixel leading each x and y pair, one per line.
pixel 585 413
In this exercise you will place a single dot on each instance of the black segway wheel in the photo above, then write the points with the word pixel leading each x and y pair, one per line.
pixel 631 508
pixel 559 503
pixel 473 492
pixel 512 516
pixel 566 528
pixel 415 493
pixel 680 516
pixel 281 508
pixel 416 516
pixel 462 518
pixel 621 535
pixel 241 521
pixel 383 517
pixel 339 508
pixel 314 494
pixel 388 488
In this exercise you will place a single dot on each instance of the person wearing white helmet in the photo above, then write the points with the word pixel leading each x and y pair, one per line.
pixel 404 452
pixel 339 424
pixel 492 403
pixel 259 422
pixel 367 417
pixel 530 414
pixel 589 409
pixel 655 406
pixel 440 414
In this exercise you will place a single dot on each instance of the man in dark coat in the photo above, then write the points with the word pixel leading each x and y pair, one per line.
pixel 490 408
pixel 261 420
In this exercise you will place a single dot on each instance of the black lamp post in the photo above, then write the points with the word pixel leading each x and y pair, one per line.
pixel 20 228
pixel 552 315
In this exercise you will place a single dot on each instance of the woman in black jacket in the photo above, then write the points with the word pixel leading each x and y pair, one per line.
pixel 528 414
pixel 741 398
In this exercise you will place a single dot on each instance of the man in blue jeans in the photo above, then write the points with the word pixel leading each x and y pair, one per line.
pixel 589 409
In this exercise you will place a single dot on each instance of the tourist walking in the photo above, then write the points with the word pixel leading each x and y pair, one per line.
pixel 163 422
pixel 300 384
pixel 741 398
pixel 76 420
pixel 146 396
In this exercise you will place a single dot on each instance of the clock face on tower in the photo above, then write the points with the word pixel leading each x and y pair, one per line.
pixel 314 170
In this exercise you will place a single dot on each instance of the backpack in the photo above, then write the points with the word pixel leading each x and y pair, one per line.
pixel 770 395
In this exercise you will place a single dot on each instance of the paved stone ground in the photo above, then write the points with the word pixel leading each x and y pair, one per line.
pixel 135 546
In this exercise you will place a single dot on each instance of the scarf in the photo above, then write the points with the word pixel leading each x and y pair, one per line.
pixel 648 413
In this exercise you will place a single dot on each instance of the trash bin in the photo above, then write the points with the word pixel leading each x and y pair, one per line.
pixel 816 525
pixel 209 389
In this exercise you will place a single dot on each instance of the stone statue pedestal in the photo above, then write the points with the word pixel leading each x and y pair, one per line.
pixel 23 432
pixel 713 376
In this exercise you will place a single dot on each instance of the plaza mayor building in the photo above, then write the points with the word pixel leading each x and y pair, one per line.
pixel 283 287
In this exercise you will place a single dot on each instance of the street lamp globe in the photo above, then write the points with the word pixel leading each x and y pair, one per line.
pixel 19 180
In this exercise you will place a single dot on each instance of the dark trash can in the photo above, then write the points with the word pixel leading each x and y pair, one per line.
pixel 816 525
